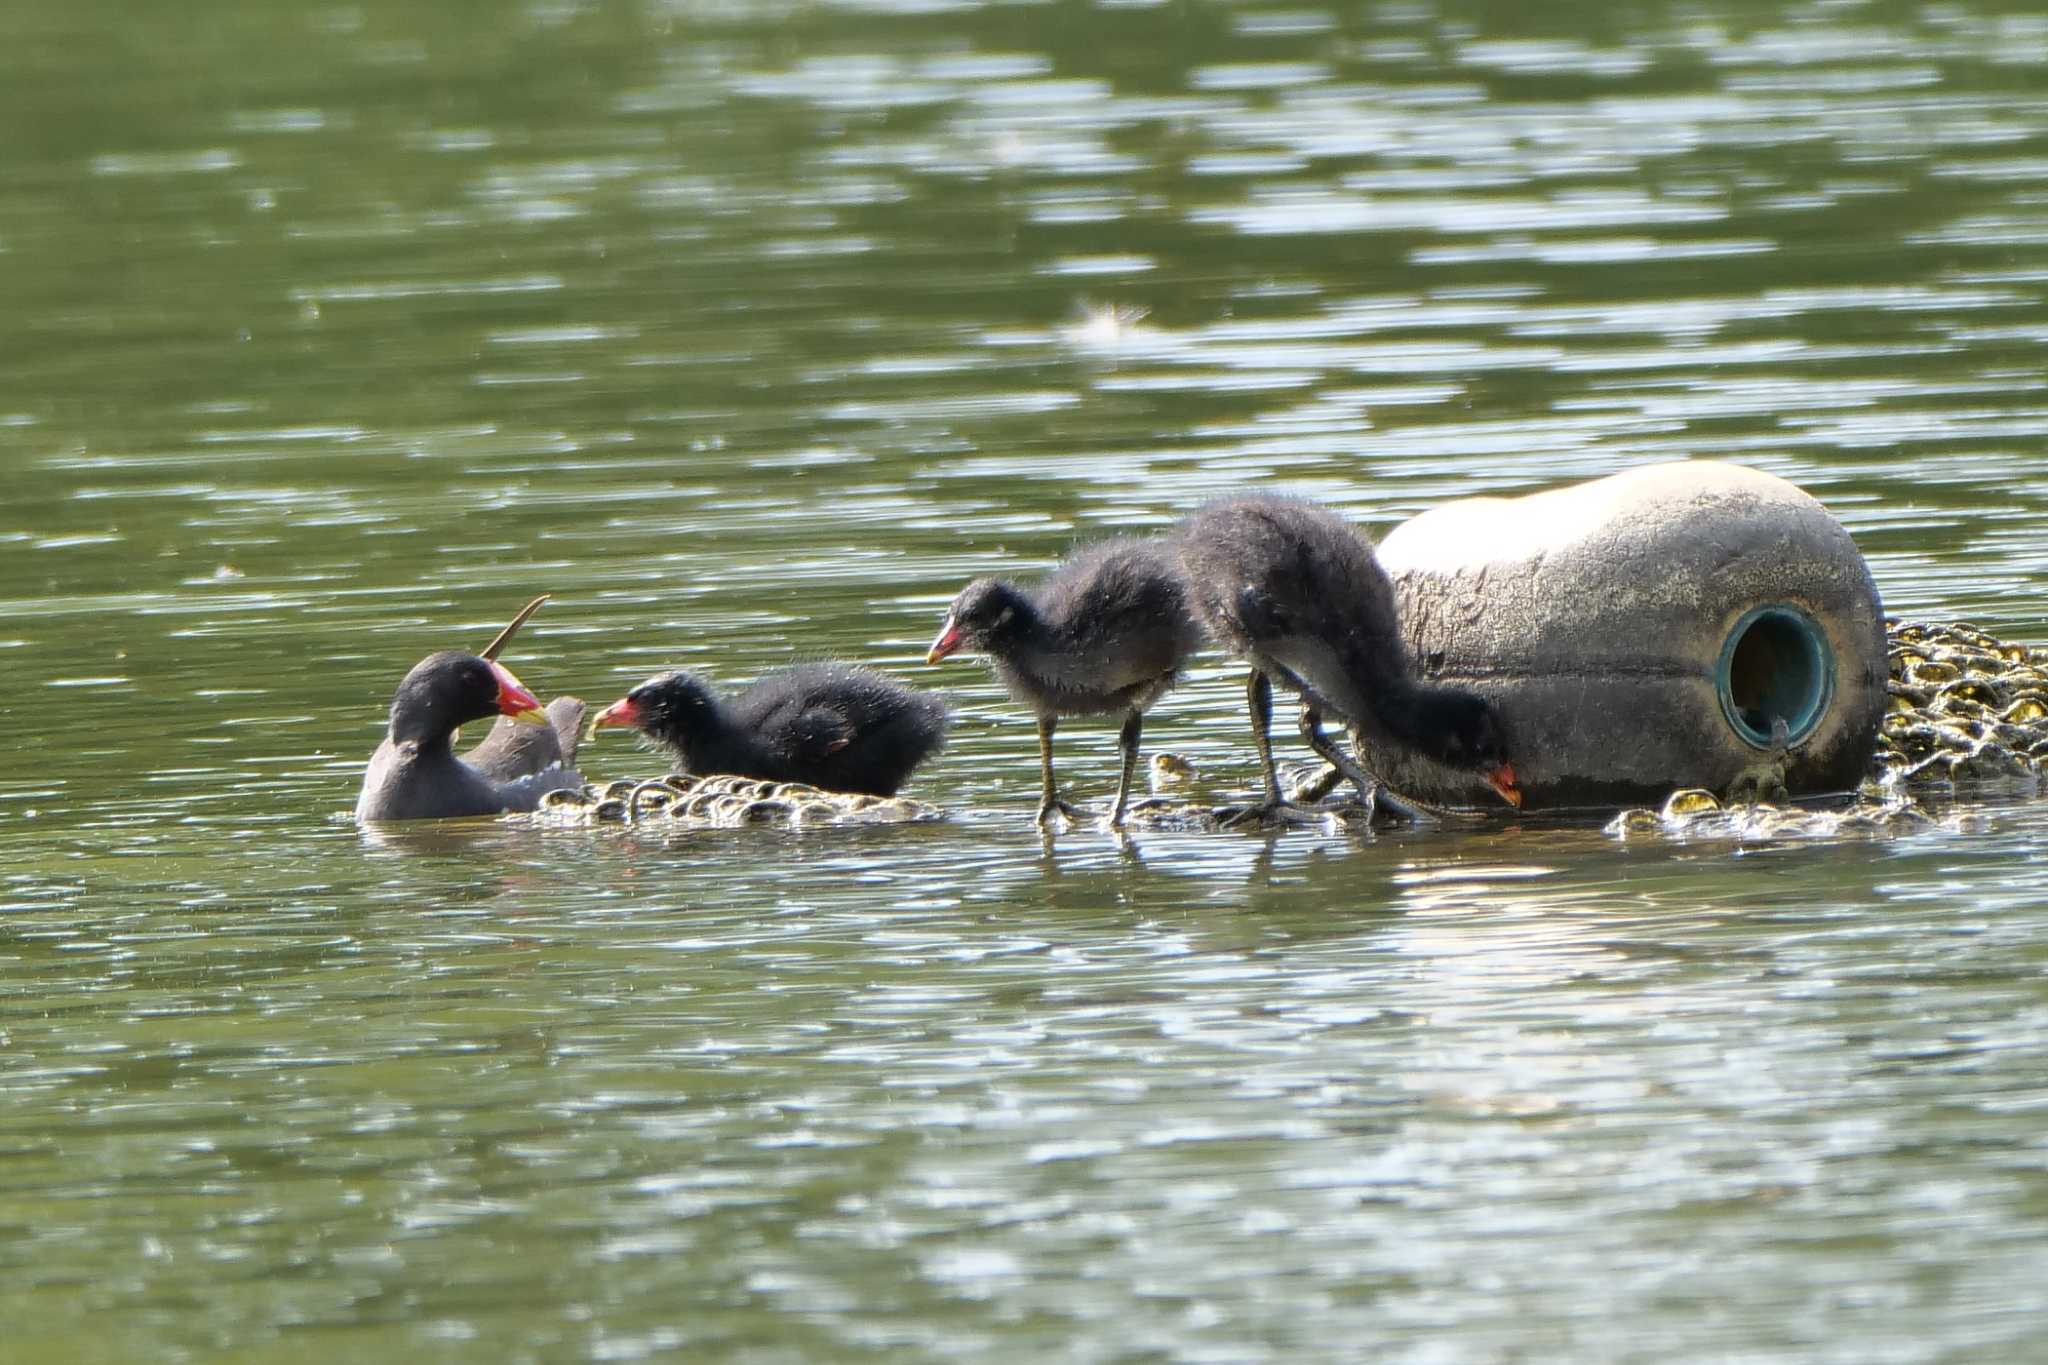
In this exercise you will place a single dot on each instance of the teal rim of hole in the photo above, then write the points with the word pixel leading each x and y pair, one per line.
pixel 1801 678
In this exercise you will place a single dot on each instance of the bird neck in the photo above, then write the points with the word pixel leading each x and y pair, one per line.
pixel 422 730
pixel 431 749
pixel 705 738
pixel 1023 628
pixel 1401 705
pixel 1418 715
pixel 1368 678
pixel 424 721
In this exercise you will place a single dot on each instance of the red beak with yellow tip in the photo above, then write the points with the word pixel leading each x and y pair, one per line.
pixel 949 640
pixel 621 712
pixel 1502 780
pixel 513 698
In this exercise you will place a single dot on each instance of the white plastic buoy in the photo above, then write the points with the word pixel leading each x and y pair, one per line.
pixel 1679 625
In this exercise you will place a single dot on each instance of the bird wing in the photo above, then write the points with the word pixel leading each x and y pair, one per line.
pixel 797 722
pixel 1261 615
pixel 509 751
pixel 819 732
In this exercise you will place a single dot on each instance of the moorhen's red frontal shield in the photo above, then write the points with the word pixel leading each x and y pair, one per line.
pixel 621 712
pixel 949 641
pixel 513 698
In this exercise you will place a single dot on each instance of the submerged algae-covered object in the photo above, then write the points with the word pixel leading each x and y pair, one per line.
pixel 1679 625
pixel 724 800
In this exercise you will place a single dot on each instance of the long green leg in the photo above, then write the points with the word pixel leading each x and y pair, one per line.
pixel 1126 740
pixel 1258 696
pixel 1048 795
pixel 1368 785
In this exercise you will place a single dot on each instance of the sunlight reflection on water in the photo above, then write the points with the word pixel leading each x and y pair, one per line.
pixel 752 333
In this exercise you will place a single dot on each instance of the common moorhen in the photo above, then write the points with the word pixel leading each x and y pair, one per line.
pixel 515 749
pixel 1107 631
pixel 1297 592
pixel 827 725
pixel 415 775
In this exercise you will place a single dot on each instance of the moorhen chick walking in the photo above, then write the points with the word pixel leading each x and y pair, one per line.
pixel 827 725
pixel 415 775
pixel 1296 591
pixel 1107 631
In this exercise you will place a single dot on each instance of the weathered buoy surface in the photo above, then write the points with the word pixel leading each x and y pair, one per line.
pixel 1691 624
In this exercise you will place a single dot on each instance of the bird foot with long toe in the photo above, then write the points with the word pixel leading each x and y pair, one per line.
pixel 1269 811
pixel 1761 785
pixel 1367 810
pixel 1389 808
pixel 1308 784
pixel 1048 807
pixel 1166 813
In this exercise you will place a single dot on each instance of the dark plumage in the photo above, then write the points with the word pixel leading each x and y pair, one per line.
pixel 829 725
pixel 1107 631
pixel 1297 592
pixel 415 775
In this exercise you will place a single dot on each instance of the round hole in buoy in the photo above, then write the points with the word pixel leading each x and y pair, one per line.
pixel 1775 665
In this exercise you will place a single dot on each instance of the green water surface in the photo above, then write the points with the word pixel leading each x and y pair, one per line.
pixel 751 332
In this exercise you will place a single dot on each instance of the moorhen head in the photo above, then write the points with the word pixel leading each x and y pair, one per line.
pixel 514 749
pixel 668 709
pixel 984 618
pixel 1462 730
pixel 451 688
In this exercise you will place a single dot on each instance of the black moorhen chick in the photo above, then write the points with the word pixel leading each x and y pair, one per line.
pixel 1107 631
pixel 828 725
pixel 1297 592
pixel 415 775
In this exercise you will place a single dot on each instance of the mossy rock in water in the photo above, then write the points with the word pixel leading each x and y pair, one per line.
pixel 723 801
pixel 1965 707
pixel 1965 710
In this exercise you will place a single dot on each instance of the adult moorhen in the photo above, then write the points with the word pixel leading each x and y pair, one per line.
pixel 1107 631
pixel 415 775
pixel 515 749
pixel 1297 592
pixel 828 725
